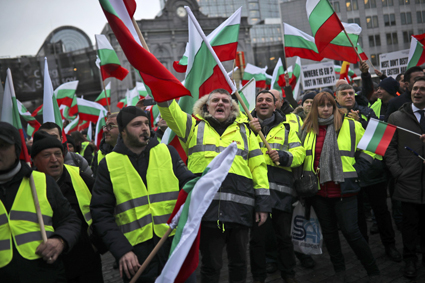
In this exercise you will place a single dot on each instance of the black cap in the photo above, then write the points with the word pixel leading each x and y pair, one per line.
pixel 42 141
pixel 390 85
pixel 11 135
pixel 127 114
pixel 308 95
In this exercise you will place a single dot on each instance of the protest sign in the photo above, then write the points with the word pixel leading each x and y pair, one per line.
pixel 318 75
pixel 394 63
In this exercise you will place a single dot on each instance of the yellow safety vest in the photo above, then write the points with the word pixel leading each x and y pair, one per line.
pixel 100 156
pixel 294 122
pixel 21 223
pixel 376 107
pixel 81 191
pixel 83 148
pixel 143 210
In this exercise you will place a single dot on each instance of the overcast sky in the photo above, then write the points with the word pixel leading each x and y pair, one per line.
pixel 25 24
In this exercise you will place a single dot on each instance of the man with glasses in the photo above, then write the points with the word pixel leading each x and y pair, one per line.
pixel 110 137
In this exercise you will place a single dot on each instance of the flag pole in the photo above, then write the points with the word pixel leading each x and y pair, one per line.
pixel 409 131
pixel 139 33
pixel 103 82
pixel 31 178
pixel 229 81
pixel 282 28
pixel 151 255
pixel 355 50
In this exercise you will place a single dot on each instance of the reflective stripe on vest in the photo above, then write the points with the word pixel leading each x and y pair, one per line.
pixel 21 224
pixel 140 212
pixel 81 191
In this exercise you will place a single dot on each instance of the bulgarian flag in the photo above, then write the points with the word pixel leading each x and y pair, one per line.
pixel 122 102
pixel 224 41
pixel 192 203
pixel 154 114
pixel 247 94
pixel 90 132
pixel 159 80
pixel 99 129
pixel 72 126
pixel 377 136
pixel 105 99
pixel 420 38
pixel 259 74
pixel 203 75
pixel 83 125
pixel 10 114
pixel 340 47
pixel 89 110
pixel 278 80
pixel 132 97
pixel 141 88
pixel 324 22
pixel 110 65
pixel 51 112
pixel 299 43
pixel 268 81
pixel 416 54
pixel 65 93
pixel 361 52
pixel 24 113
pixel 294 75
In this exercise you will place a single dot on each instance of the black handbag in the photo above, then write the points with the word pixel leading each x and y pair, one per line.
pixel 307 184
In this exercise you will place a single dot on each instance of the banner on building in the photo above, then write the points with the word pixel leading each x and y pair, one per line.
pixel 318 75
pixel 394 63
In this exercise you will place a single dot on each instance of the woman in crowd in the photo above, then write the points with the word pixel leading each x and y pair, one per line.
pixel 331 141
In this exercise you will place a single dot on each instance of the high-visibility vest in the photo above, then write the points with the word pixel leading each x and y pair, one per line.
pixel 83 148
pixel 376 107
pixel 294 122
pixel 141 211
pixel 81 191
pixel 100 156
pixel 21 223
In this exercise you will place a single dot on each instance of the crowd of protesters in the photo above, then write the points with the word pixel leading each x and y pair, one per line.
pixel 118 198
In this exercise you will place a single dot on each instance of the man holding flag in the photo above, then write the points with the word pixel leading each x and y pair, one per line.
pixel 132 200
pixel 244 195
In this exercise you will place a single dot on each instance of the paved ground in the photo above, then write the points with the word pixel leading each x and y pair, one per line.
pixel 323 272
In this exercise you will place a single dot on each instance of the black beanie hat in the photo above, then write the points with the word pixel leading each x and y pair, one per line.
pixel 42 141
pixel 70 140
pixel 309 95
pixel 11 135
pixel 390 85
pixel 127 114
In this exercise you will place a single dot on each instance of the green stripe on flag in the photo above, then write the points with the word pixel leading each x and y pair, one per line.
pixel 108 7
pixel 342 40
pixel 228 35
pixel 108 56
pixel 299 42
pixel 62 93
pixel 377 137
pixel 419 50
pixel 320 15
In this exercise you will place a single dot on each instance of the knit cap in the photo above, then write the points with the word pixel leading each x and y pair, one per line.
pixel 42 141
pixel 308 95
pixel 127 114
pixel 390 85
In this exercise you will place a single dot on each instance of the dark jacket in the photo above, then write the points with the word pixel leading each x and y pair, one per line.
pixel 365 113
pixel 397 102
pixel 105 148
pixel 74 159
pixel 407 169
pixel 65 223
pixel 289 95
pixel 82 258
pixel 103 200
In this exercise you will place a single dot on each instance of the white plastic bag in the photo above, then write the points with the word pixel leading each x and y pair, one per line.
pixel 306 234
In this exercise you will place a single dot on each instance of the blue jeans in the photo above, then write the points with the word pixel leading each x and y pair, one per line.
pixel 342 211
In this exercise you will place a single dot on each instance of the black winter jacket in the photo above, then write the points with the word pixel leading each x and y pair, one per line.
pixel 103 199
pixel 407 169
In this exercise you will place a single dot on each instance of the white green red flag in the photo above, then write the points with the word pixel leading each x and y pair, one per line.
pixel 160 81
pixel 340 47
pixel 141 88
pixel 154 114
pixel 247 94
pixel 83 125
pixel 377 136
pixel 278 80
pixel 72 126
pixel 224 41
pixel 132 97
pixel 10 114
pixel 361 52
pixel 416 53
pixel 268 81
pixel 51 112
pixel 104 99
pixel 295 73
pixel 89 110
pixel 192 203
pixel 420 38
pixel 259 74
pixel 65 93
pixel 324 22
pixel 99 129
pixel 110 65
pixel 299 43
pixel 28 118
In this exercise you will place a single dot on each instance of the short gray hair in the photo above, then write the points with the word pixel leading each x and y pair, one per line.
pixel 343 87
pixel 219 90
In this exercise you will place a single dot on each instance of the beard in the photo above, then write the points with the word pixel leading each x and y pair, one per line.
pixel 133 141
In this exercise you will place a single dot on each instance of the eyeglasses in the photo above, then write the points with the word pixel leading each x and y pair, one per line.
pixel 109 127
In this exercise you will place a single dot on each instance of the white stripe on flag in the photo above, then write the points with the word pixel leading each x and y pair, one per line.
pixel 368 134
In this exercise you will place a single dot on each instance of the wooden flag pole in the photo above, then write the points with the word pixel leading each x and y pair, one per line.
pixel 37 208
pixel 229 81
pixel 355 50
pixel 151 255
pixel 139 33
pixel 103 82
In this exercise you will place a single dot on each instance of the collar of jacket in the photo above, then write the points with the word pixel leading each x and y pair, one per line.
pixel 120 147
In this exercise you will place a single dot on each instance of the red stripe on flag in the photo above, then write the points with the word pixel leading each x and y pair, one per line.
pixel 175 142
pixel 217 80
pixel 226 52
pixel 131 7
pixel 179 68
pixel 327 32
pixel 24 151
pixel 103 101
pixel 302 53
pixel 363 56
pixel 35 113
pixel 386 139
pixel 65 101
pixel 113 70
pixel 340 53
pixel 191 262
